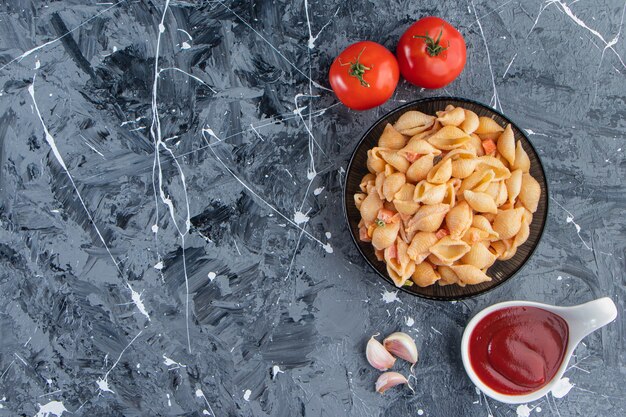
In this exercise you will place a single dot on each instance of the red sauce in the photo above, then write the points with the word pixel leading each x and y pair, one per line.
pixel 517 350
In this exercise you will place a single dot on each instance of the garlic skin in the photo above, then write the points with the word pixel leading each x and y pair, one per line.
pixel 401 345
pixel 388 380
pixel 377 356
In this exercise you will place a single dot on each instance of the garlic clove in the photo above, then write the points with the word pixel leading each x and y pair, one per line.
pixel 388 380
pixel 401 345
pixel 377 356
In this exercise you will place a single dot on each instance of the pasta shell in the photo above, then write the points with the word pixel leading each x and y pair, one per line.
pixel 400 275
pixel 358 199
pixel 524 232
pixel 501 194
pixel 375 162
pixel 521 158
pixel 448 137
pixel 392 185
pixel 391 138
pixel 427 193
pixel 463 162
pixel 449 197
pixel 487 125
pixel 506 144
pixel 394 159
pixel 459 219
pixel 478 182
pixel 476 144
pixel 416 149
pixel 385 236
pixel 413 122
pixel 424 275
pixel 480 256
pixel 448 276
pixel 418 250
pixel 470 124
pixel 489 162
pixel 469 274
pixel 508 222
pixel 463 168
pixel 405 193
pixel 434 259
pixel 514 185
pixel 504 248
pixel 441 172
pixel 475 235
pixel 449 250
pixel 428 218
pixel 380 180
pixel 530 192
pixel 420 168
pixel 370 207
pixel 481 202
pixel 366 180
pixel 493 189
pixel 403 200
pixel 453 117
pixel 481 222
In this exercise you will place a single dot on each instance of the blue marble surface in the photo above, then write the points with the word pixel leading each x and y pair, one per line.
pixel 171 234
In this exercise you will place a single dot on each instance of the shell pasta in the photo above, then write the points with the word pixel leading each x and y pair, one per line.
pixel 446 196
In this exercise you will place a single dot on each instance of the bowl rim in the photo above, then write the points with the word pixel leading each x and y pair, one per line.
pixel 373 267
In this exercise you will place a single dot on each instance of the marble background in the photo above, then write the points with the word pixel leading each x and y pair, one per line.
pixel 172 239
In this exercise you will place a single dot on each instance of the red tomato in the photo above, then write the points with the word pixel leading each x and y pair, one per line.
pixel 431 53
pixel 364 75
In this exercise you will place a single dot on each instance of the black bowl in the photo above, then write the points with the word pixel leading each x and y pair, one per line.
pixel 501 270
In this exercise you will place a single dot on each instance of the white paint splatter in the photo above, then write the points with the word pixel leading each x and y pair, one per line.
pixel 312 39
pixel 169 403
pixel 532 132
pixel 159 265
pixel 276 370
pixel 185 45
pixel 328 248
pixel 169 362
pixel 390 297
pixel 409 321
pixel 211 276
pixel 246 395
pixel 559 278
pixel 318 191
pixel 57 154
pixel 103 385
pixel 495 100
pixel 161 28
pixel 509 66
pixel 538 409
pixel 155 228
pixel 420 412
pixel 300 217
pixel 570 219
pixel 329 235
pixel 199 393
pixel 523 411
pixel 37 64
pixel 136 297
pixel 53 408
pixel 561 388
pixel 30 51
pixel 436 331
pixel 206 412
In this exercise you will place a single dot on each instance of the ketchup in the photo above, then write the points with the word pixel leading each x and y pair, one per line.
pixel 517 350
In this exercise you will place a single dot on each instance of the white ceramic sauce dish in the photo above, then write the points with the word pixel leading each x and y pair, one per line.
pixel 581 320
